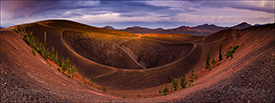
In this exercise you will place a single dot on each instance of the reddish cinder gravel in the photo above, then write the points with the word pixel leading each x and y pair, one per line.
pixel 248 77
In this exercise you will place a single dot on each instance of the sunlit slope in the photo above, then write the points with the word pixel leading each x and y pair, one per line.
pixel 121 60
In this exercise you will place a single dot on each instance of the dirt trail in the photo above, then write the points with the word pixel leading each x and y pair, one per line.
pixel 119 45
pixel 85 59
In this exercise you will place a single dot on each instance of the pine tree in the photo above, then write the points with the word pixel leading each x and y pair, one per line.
pixel 67 62
pixel 56 56
pixel 175 84
pixel 213 62
pixel 183 82
pixel 53 49
pixel 45 36
pixel 63 67
pixel 73 70
pixel 220 52
pixel 165 90
pixel 33 52
pixel 207 61
pixel 169 79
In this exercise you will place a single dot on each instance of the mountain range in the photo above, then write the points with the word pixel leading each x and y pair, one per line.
pixel 200 30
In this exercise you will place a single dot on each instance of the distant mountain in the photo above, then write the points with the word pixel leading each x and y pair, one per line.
pixel 109 27
pixel 256 25
pixel 1 27
pixel 242 25
pixel 137 29
pixel 200 30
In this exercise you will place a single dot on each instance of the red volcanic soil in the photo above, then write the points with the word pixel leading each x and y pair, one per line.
pixel 131 65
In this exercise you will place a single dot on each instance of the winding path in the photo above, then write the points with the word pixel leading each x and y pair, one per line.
pixel 129 53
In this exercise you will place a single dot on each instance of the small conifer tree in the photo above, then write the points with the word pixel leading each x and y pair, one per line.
pixel 63 67
pixel 220 52
pixel 207 61
pixel 175 84
pixel 183 82
pixel 169 79
pixel 73 70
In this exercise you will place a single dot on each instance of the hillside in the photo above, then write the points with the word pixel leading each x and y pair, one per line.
pixel 200 30
pixel 128 64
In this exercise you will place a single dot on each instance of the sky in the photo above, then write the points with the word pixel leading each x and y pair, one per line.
pixel 146 13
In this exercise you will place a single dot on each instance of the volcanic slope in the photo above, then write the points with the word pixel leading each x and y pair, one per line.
pixel 108 54
pixel 128 64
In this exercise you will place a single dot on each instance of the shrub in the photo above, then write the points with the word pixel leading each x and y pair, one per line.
pixel 165 90
pixel 196 76
pixel 104 89
pixel 183 82
pixel 175 84
pixel 73 70
pixel 123 97
pixel 52 57
pixel 138 95
pixel 33 52
pixel 213 62
pixel 92 79
pixel 53 49
pixel 15 30
pixel 159 91
pixel 82 77
pixel 63 67
pixel 25 38
pixel 191 79
pixel 39 51
pixel 24 29
pixel 59 61
pixel 69 71
pixel 230 52
pixel 45 38
pixel 68 62
pixel 56 56
pixel 58 69
pixel 169 79
pixel 235 47
pixel 18 28
pixel 207 61
pixel 220 52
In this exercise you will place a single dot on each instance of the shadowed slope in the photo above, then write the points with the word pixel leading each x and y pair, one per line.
pixel 90 47
pixel 107 54
pixel 28 78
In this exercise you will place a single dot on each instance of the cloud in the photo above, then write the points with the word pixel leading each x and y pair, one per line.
pixel 260 5
pixel 19 9
pixel 140 12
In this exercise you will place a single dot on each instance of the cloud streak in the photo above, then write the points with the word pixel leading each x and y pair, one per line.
pixel 140 13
